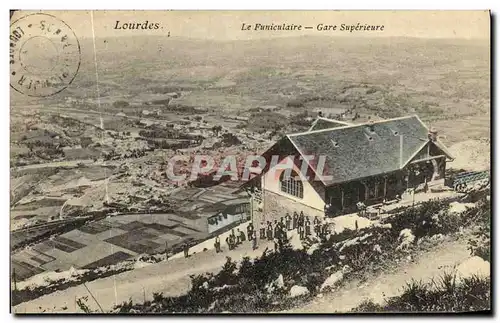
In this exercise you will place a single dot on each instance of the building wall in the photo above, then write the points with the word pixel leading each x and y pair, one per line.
pixel 236 213
pixel 226 221
pixel 276 206
pixel 314 193
pixel 277 203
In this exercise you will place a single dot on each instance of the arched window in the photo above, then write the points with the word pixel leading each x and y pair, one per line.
pixel 292 185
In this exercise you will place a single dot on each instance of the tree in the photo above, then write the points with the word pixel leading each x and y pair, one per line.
pixel 216 130
pixel 85 141
pixel 120 104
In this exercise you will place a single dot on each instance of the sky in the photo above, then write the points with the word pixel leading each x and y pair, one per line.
pixel 226 25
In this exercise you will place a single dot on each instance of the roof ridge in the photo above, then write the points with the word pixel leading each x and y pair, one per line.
pixel 354 125
pixel 313 124
pixel 437 142
pixel 333 120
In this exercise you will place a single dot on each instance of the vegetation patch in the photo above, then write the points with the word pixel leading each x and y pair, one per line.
pixel 444 295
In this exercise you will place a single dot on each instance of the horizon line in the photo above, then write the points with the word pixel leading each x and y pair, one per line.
pixel 297 36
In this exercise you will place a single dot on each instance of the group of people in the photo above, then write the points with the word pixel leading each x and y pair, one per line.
pixel 298 221
pixel 275 231
pixel 236 238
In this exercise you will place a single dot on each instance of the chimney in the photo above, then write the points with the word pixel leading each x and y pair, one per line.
pixel 433 134
pixel 320 114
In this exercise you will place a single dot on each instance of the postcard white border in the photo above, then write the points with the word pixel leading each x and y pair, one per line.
pixel 194 5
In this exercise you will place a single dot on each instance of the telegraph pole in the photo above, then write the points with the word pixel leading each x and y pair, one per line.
pixel 400 151
pixel 251 206
pixel 14 278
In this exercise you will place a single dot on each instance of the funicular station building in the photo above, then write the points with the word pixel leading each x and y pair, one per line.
pixel 366 163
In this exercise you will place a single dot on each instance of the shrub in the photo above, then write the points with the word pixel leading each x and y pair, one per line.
pixel 428 218
pixel 296 103
pixel 120 104
pixel 472 294
pixel 480 243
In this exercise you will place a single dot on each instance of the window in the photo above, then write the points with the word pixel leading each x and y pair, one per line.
pixel 292 185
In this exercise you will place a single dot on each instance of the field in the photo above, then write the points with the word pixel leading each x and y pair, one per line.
pixel 104 242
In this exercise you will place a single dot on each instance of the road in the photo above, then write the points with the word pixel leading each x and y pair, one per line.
pixel 64 163
pixel 170 277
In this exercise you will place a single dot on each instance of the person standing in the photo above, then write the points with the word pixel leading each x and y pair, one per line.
pixel 295 220
pixel 232 241
pixel 317 226
pixel 282 237
pixel 242 236
pixel 329 210
pixel 361 208
pixel 254 243
pixel 186 250
pixel 269 231
pixel 262 231
pixel 217 244
pixel 250 231
pixel 308 227
pixel 301 219
pixel 238 237
pixel 301 232
pixel 288 219
pixel 282 226
pixel 276 227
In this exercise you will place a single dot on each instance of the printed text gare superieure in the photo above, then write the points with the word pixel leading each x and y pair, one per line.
pixel 319 27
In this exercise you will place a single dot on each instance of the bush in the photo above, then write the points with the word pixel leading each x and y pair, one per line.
pixel 266 121
pixel 480 244
pixel 228 140
pixel 426 219
pixel 295 103
pixel 120 104
pixel 473 294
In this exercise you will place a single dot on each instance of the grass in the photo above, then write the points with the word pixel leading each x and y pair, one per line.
pixel 428 218
pixel 446 295
pixel 480 243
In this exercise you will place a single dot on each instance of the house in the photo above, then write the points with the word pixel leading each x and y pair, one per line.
pixel 214 209
pixel 226 214
pixel 351 163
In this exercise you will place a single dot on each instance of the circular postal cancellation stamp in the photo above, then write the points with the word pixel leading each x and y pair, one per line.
pixel 44 55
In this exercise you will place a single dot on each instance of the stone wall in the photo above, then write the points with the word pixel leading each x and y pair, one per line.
pixel 276 206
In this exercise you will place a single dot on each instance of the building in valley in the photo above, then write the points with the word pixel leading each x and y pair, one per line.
pixel 350 163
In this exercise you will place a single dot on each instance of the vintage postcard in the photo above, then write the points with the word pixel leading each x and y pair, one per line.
pixel 250 162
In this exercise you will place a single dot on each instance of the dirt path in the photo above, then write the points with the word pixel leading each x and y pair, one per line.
pixel 426 266
pixel 170 277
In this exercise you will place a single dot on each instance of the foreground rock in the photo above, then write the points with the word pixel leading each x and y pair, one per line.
pixel 474 266
pixel 297 290
pixel 335 279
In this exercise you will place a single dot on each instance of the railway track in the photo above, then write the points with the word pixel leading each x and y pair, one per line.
pixel 461 181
